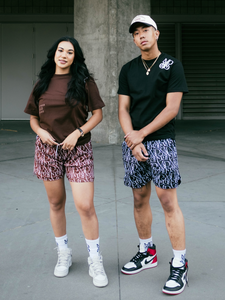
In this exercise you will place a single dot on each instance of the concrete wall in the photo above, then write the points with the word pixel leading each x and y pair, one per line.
pixel 101 27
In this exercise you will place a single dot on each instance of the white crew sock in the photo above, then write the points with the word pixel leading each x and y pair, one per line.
pixel 178 258
pixel 93 247
pixel 144 244
pixel 62 241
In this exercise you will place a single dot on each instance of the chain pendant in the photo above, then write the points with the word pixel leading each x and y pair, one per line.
pixel 148 69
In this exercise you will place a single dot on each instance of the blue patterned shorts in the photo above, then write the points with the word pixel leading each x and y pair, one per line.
pixel 161 167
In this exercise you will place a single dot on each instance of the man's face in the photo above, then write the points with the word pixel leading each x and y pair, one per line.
pixel 145 38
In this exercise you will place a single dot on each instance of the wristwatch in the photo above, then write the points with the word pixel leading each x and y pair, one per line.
pixel 81 132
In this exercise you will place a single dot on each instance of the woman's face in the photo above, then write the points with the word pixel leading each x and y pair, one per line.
pixel 64 57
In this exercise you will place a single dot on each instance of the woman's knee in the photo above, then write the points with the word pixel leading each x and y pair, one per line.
pixel 86 209
pixel 56 204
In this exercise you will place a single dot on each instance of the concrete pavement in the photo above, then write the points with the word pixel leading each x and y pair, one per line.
pixel 27 241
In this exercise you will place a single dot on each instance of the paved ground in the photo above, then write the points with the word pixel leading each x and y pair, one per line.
pixel 27 242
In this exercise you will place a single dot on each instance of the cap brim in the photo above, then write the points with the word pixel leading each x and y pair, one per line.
pixel 132 27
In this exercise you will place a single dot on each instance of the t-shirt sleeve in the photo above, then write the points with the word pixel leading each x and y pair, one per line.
pixel 94 99
pixel 31 108
pixel 177 81
pixel 123 83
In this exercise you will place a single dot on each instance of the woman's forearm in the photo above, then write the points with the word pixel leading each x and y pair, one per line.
pixel 35 124
pixel 94 120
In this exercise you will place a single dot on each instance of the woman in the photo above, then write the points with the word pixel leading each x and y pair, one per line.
pixel 58 108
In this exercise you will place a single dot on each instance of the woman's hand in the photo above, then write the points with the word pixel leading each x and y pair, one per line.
pixel 70 142
pixel 46 137
pixel 43 134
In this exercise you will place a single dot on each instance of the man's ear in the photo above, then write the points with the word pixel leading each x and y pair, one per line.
pixel 157 33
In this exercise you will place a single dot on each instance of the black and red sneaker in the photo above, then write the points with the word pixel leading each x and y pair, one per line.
pixel 177 280
pixel 141 261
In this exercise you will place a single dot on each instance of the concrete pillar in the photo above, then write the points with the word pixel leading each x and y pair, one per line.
pixel 101 28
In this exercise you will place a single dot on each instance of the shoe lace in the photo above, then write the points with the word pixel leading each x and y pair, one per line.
pixel 98 267
pixel 62 258
pixel 137 257
pixel 176 273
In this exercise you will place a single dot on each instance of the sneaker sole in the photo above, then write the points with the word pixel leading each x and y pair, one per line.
pixel 98 283
pixel 139 270
pixel 175 292
pixel 62 274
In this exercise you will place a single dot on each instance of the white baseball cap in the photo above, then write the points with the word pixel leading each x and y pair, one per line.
pixel 147 20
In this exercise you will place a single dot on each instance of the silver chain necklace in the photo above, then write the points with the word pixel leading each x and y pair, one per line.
pixel 148 69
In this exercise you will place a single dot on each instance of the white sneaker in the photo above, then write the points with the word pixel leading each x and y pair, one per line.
pixel 96 270
pixel 63 263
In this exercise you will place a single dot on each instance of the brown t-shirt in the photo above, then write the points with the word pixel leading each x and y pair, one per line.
pixel 59 118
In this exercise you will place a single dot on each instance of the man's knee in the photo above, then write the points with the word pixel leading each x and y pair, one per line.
pixel 168 199
pixel 141 197
pixel 168 203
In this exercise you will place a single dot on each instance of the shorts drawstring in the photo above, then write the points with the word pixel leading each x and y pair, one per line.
pixel 56 151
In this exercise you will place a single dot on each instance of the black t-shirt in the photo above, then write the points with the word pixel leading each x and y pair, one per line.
pixel 148 93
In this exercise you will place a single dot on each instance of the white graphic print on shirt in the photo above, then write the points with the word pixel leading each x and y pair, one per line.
pixel 166 64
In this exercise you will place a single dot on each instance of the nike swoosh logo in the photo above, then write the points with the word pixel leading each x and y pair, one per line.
pixel 148 261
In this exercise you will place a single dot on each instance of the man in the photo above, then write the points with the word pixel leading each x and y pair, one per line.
pixel 151 87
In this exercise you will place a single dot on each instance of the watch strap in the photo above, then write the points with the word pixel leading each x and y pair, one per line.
pixel 81 132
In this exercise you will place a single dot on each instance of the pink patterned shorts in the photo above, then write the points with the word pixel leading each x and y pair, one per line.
pixel 52 162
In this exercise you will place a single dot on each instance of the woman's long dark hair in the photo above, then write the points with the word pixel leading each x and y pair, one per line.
pixel 78 69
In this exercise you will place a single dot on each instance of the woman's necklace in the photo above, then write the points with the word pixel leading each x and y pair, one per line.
pixel 148 69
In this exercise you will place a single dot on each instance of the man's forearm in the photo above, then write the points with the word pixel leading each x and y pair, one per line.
pixel 125 121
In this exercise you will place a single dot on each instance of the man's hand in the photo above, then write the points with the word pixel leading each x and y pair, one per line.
pixel 133 138
pixel 140 152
